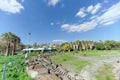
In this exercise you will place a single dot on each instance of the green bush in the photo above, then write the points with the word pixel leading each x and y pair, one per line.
pixel 15 67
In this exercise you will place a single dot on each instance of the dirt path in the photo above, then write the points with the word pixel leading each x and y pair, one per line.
pixel 89 72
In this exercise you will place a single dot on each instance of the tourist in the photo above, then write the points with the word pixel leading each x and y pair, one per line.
pixel 26 55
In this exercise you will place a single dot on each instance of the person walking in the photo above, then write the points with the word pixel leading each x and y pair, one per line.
pixel 26 55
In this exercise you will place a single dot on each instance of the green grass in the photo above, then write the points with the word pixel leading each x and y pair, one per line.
pixel 70 60
pixel 15 67
pixel 96 52
pixel 78 65
pixel 62 58
pixel 105 73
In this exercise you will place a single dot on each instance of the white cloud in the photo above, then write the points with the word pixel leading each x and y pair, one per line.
pixel 109 23
pixel 51 23
pixel 81 13
pixel 94 9
pixel 11 6
pixel 90 8
pixel 59 41
pixel 53 2
pixel 79 27
pixel 93 17
pixel 110 16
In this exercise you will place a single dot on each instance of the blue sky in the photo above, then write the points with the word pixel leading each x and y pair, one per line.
pixel 54 21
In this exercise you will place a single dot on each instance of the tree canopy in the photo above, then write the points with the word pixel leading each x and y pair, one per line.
pixel 9 43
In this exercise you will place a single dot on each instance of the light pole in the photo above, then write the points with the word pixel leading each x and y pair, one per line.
pixel 29 34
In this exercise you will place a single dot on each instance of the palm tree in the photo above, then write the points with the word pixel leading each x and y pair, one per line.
pixel 11 40
pixel 71 46
pixel 91 45
pixel 5 39
pixel 78 45
pixel 15 40
pixel 83 45
pixel 86 45
pixel 74 45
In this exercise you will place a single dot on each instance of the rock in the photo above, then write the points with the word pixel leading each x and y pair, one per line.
pixel 32 73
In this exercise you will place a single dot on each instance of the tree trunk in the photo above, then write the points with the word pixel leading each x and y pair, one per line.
pixel 8 49
pixel 14 46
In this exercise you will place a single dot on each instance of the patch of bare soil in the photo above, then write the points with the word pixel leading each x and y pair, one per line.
pixel 46 76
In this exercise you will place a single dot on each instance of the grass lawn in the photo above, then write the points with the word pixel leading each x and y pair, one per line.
pixel 96 52
pixel 16 64
pixel 15 67
pixel 105 73
pixel 78 65
pixel 70 60
pixel 62 58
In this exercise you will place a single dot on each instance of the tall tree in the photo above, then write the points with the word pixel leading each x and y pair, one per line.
pixel 15 40
pixel 65 46
pixel 35 45
pixel 78 45
pixel 11 41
